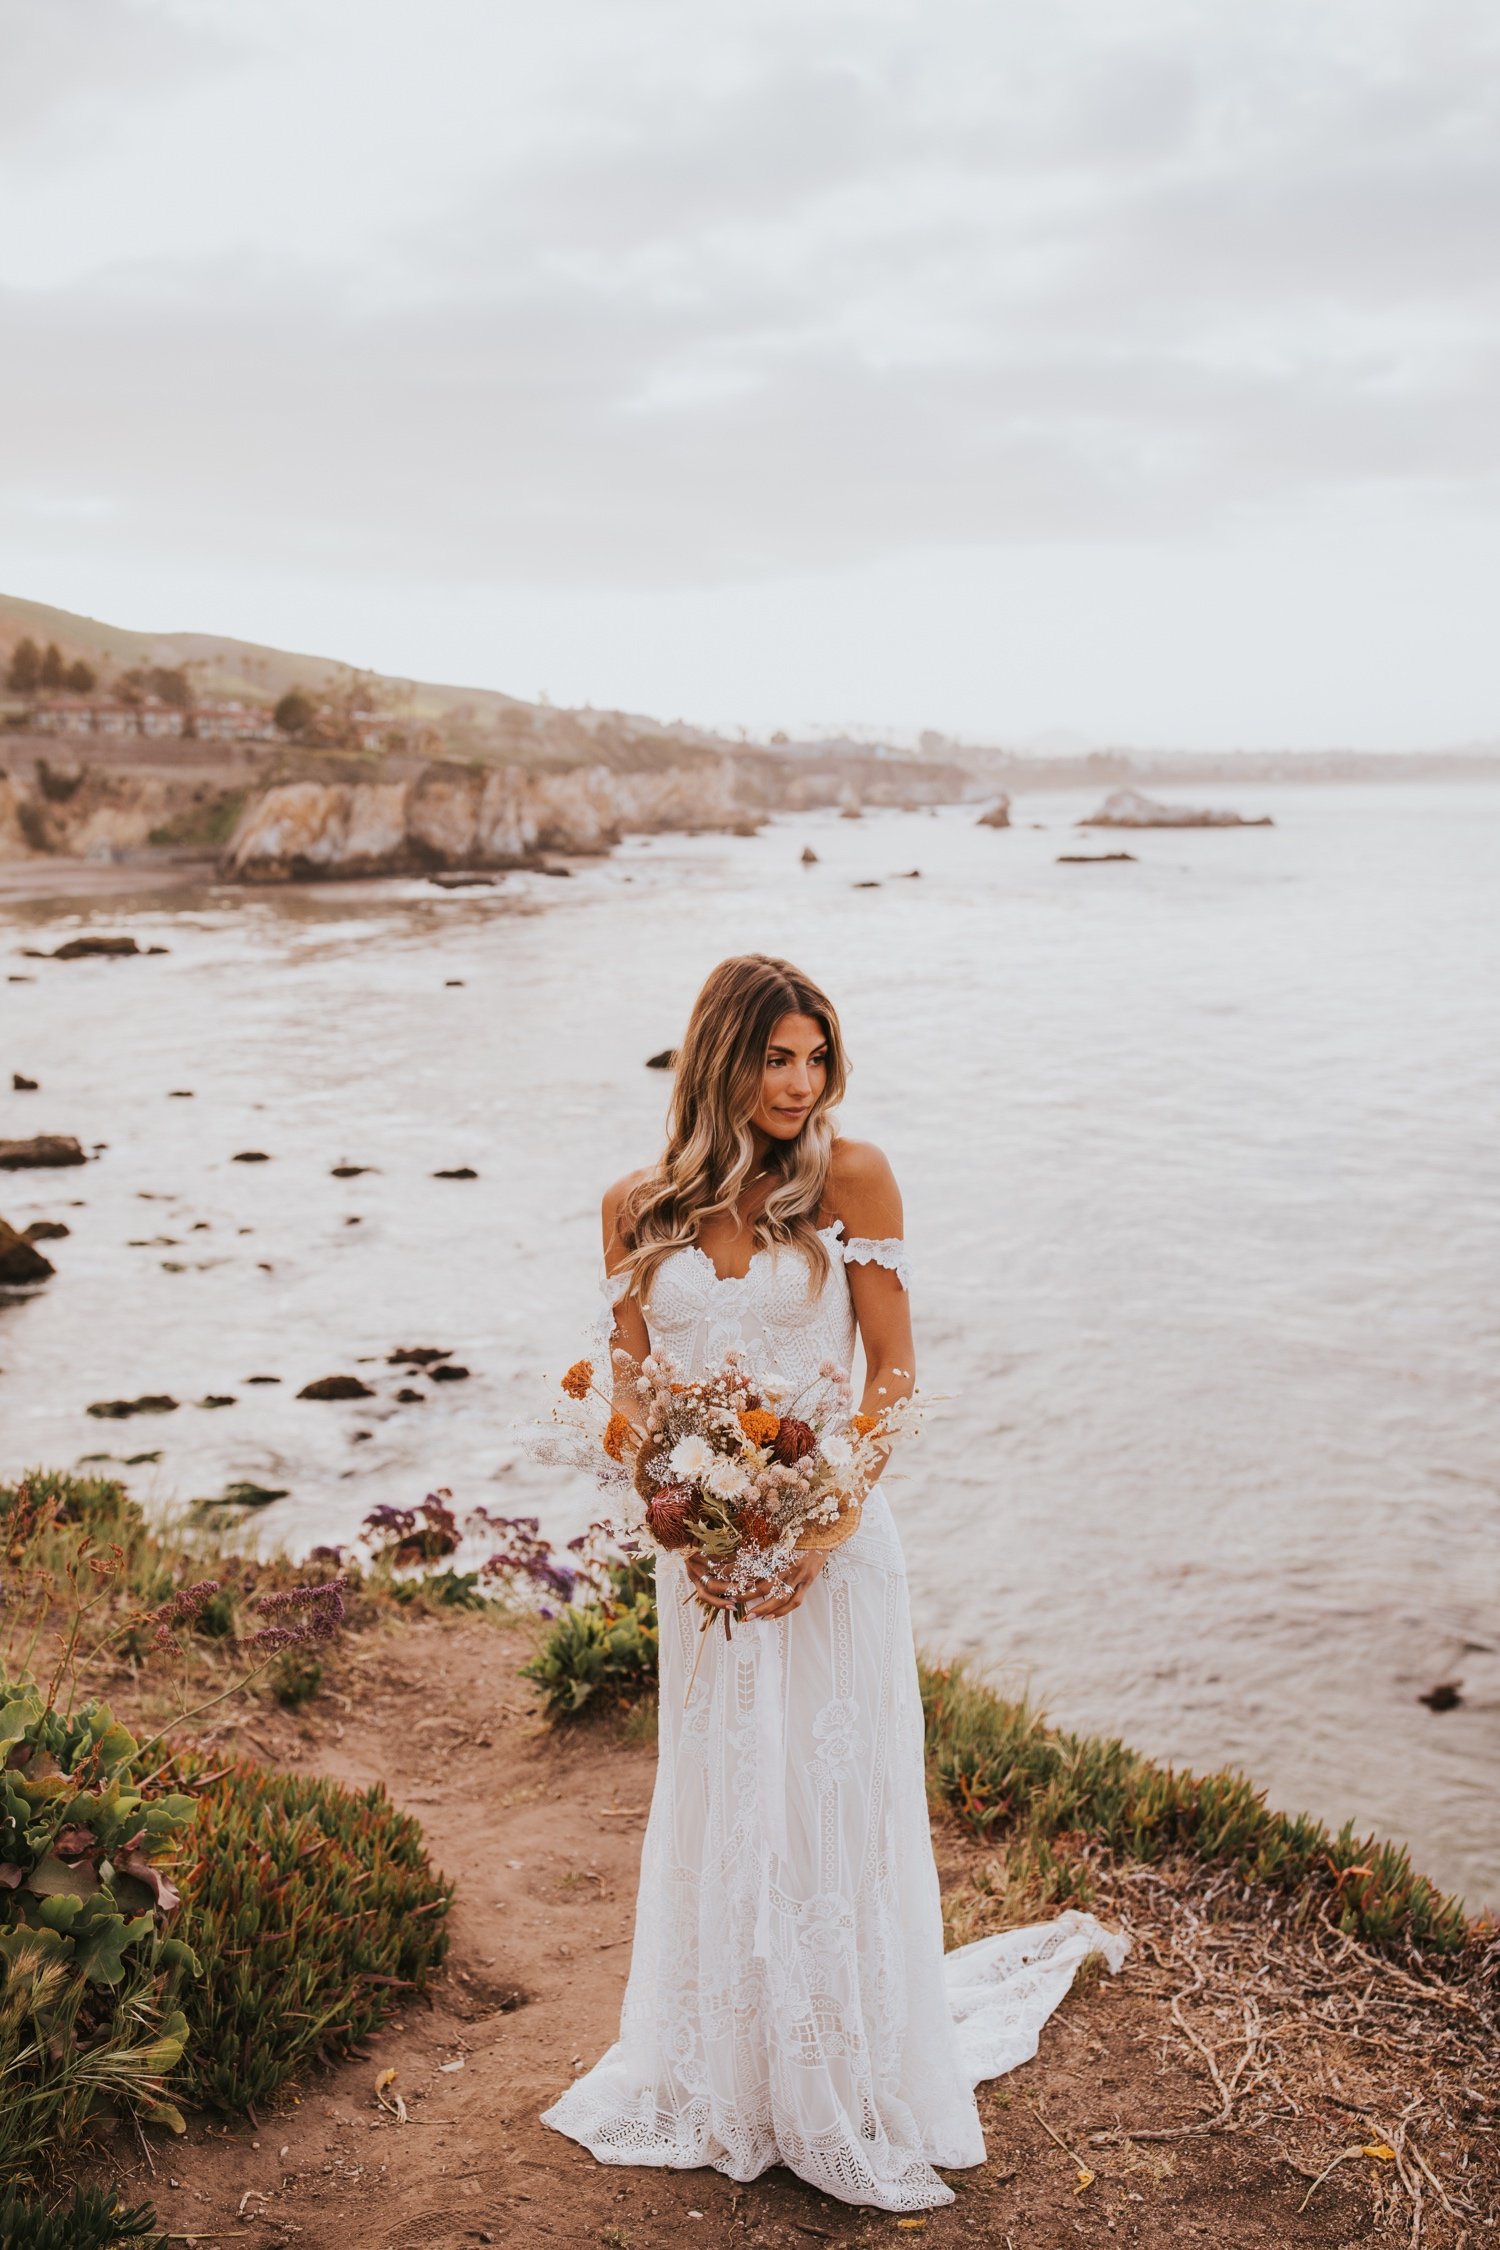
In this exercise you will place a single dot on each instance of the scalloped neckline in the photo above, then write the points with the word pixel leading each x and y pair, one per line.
pixel 835 1227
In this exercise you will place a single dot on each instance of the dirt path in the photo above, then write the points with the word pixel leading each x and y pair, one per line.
pixel 542 1838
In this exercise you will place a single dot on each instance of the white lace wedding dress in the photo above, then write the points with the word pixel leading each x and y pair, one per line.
pixel 789 2000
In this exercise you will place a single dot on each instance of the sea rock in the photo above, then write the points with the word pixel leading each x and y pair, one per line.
pixel 417 1355
pixel 46 1230
pixel 458 879
pixel 42 1149
pixel 20 1264
pixel 1093 859
pixel 406 1396
pixel 998 815
pixel 665 1060
pixel 250 1156
pixel 244 1493
pixel 349 1171
pixel 103 948
pixel 457 1172
pixel 809 856
pixel 336 1386
pixel 21 1084
pixel 1128 808
pixel 447 1371
pixel 869 884
pixel 120 1409
pixel 1444 1697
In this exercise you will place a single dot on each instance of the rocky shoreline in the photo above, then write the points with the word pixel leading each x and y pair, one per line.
pixel 262 815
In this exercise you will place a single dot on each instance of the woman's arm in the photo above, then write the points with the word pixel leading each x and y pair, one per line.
pixel 629 1334
pixel 862 1191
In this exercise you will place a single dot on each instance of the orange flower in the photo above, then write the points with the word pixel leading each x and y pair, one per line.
pixel 866 1424
pixel 759 1427
pixel 578 1378
pixel 619 1432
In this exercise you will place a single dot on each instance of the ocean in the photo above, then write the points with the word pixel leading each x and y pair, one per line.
pixel 1200 1165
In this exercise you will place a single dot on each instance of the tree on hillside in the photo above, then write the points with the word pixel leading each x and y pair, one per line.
pixel 295 712
pixel 52 666
pixel 81 677
pixel 168 683
pixel 25 671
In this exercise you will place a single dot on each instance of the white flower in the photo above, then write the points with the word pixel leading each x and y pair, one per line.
pixel 836 1450
pixel 726 1480
pixel 692 1458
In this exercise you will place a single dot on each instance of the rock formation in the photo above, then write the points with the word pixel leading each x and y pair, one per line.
pixel 998 815
pixel 1127 808
pixel 20 1263
pixel 41 1150
pixel 470 818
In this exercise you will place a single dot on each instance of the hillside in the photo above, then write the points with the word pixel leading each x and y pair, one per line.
pixel 469 719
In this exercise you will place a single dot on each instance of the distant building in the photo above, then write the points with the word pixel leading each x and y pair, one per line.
pixel 150 716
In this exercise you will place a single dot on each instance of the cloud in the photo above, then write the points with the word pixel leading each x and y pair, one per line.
pixel 656 296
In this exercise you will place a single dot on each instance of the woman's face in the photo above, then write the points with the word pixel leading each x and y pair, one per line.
pixel 796 1071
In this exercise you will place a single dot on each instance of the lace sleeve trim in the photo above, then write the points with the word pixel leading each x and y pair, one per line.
pixel 863 1250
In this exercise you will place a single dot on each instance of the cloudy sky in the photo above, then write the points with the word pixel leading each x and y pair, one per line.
pixel 1126 366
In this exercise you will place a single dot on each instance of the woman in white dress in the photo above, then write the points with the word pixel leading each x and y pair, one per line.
pixel 789 2000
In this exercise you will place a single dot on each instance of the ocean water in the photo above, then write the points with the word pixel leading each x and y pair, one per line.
pixel 1201 1174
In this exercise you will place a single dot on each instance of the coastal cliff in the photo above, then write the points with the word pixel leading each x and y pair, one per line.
pixel 452 816
pixel 268 817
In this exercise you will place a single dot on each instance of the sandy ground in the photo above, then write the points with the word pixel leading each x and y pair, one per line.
pixel 541 1835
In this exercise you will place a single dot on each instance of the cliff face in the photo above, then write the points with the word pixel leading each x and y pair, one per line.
pixel 409 816
pixel 450 816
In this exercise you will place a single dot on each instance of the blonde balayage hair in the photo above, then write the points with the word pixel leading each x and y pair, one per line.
pixel 710 1151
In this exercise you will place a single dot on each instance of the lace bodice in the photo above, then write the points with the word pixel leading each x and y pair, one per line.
pixel 775 1313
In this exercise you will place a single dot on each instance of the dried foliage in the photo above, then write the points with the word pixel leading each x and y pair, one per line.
pixel 1341 2059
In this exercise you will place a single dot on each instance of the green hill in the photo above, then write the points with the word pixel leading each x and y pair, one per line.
pixel 471 719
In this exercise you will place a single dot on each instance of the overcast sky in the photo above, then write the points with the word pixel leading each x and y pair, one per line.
pixel 1127 366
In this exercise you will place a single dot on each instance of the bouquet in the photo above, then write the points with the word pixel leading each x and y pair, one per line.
pixel 726 1467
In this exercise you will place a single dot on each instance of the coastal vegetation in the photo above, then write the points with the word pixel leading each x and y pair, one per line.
pixel 189 1931
pixel 173 1929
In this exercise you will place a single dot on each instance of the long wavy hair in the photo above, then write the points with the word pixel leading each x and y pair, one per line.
pixel 710 1151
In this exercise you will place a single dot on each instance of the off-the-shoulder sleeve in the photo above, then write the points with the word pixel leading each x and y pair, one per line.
pixel 612 1287
pixel 891 1253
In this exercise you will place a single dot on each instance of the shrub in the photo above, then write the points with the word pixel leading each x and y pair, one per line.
pixel 87 2012
pixel 606 1648
pixel 307 1907
pixel 58 788
pixel 295 1678
pixel 1003 1771
pixel 94 2219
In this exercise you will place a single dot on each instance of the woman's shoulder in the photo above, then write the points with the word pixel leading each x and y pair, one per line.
pixel 862 1191
pixel 615 1194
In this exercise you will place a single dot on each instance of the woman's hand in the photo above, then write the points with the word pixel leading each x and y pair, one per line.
pixel 762 1599
pixel 789 1591
pixel 711 1588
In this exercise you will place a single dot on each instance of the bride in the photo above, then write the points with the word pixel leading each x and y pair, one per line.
pixel 789 2000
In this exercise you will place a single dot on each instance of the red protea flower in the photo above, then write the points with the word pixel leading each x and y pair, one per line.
pixel 668 1513
pixel 794 1441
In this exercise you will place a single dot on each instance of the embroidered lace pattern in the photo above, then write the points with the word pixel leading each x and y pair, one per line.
pixel 788 1999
